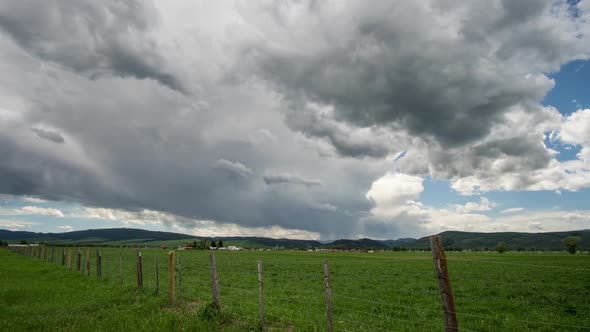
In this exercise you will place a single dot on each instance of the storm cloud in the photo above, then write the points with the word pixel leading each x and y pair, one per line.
pixel 48 135
pixel 286 115
pixel 90 38
pixel 445 70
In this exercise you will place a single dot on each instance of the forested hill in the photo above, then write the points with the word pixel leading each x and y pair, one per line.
pixel 451 240
pixel 513 240
pixel 106 234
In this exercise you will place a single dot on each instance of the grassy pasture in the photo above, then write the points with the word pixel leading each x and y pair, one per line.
pixel 393 291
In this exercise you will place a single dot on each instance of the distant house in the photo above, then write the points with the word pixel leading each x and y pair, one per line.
pixel 233 248
pixel 164 246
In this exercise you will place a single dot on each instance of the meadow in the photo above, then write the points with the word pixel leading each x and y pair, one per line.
pixel 381 291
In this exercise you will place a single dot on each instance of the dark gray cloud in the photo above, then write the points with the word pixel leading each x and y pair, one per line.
pixel 367 142
pixel 233 167
pixel 290 179
pixel 48 135
pixel 92 38
pixel 449 71
pixel 136 145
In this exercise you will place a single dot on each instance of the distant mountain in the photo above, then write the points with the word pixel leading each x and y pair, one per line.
pixel 450 239
pixel 513 240
pixel 265 242
pixel 131 236
pixel 355 244
pixel 96 235
pixel 403 242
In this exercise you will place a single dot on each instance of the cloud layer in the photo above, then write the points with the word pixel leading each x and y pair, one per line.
pixel 287 114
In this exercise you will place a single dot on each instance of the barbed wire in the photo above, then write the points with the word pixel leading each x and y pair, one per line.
pixel 284 295
pixel 519 264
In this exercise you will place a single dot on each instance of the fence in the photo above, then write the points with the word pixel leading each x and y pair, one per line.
pixel 391 295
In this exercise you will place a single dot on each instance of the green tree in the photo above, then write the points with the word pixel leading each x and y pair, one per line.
pixel 220 244
pixel 571 243
pixel 501 247
pixel 213 244
pixel 23 242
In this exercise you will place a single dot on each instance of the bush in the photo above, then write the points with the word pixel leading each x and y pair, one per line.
pixel 571 243
pixel 501 247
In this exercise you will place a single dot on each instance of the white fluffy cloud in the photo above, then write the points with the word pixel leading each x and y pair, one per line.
pixel 16 225
pixel 397 208
pixel 66 228
pixel 484 204
pixel 576 130
pixel 393 193
pixel 396 199
pixel 512 210
pixel 52 212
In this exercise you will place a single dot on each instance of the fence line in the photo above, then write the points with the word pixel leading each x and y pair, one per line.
pixel 388 317
pixel 520 264
pixel 291 296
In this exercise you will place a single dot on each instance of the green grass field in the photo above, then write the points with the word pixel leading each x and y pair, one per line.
pixel 383 291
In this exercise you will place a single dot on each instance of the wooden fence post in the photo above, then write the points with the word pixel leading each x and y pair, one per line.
pixel 69 259
pixel 157 278
pixel 63 257
pixel 98 263
pixel 328 294
pixel 121 267
pixel 52 254
pixel 45 254
pixel 88 262
pixel 261 294
pixel 139 270
pixel 78 260
pixel 444 284
pixel 179 280
pixel 214 283
pixel 39 253
pixel 171 276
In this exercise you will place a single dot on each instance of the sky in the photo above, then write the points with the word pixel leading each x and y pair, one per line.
pixel 295 118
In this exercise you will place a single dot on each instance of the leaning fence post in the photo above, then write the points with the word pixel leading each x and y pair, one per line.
pixel 328 295
pixel 157 279
pixel 78 260
pixel 261 294
pixel 179 280
pixel 214 283
pixel 171 276
pixel 139 270
pixel 69 259
pixel 444 284
pixel 88 262
pixel 98 263
pixel 121 268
